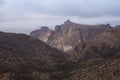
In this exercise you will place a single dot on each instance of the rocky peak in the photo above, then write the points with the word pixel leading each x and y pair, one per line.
pixel 44 28
pixel 43 33
pixel 67 22
pixel 69 34
pixel 64 27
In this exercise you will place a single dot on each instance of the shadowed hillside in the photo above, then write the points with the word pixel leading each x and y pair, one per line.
pixel 26 58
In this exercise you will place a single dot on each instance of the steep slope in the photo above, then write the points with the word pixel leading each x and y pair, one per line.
pixel 68 35
pixel 100 58
pixel 105 45
pixel 106 70
pixel 26 58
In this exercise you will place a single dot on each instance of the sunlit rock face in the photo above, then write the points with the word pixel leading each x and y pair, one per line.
pixel 43 34
pixel 69 34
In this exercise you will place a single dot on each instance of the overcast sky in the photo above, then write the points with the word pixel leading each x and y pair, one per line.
pixel 27 15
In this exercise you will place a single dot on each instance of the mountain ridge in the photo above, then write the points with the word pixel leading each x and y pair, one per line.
pixel 67 35
pixel 25 58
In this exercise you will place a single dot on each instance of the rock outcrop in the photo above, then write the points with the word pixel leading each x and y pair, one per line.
pixel 100 58
pixel 68 35
pixel 25 58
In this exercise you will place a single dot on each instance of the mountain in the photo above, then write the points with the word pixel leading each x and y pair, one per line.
pixel 105 45
pixel 95 48
pixel 95 58
pixel 100 59
pixel 69 34
pixel 26 58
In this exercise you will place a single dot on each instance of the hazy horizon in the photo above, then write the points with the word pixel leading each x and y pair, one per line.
pixel 26 15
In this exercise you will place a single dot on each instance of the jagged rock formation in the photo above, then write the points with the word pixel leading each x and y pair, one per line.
pixel 101 58
pixel 105 45
pixel 68 35
pixel 96 49
pixel 26 58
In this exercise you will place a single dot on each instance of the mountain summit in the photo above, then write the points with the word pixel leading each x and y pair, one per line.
pixel 96 54
pixel 69 34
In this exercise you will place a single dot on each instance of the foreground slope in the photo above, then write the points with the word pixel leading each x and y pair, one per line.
pixel 26 58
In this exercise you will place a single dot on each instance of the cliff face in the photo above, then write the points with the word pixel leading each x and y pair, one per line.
pixel 26 58
pixel 43 34
pixel 100 58
pixel 68 35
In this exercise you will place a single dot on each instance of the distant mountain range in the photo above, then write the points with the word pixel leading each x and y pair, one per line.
pixel 69 52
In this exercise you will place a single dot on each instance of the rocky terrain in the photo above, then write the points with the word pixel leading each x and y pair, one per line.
pixel 96 51
pixel 101 58
pixel 26 58
pixel 69 34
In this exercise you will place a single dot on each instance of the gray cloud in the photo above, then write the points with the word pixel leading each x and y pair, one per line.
pixel 82 8
pixel 31 13
pixel 1 1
